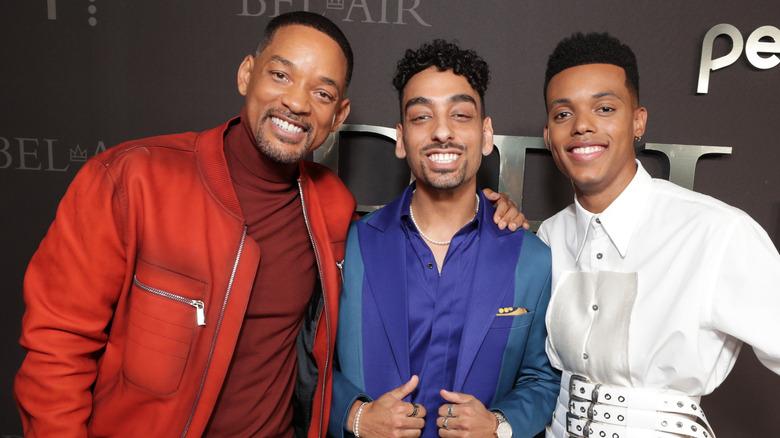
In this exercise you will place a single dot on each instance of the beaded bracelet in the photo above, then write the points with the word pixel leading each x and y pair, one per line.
pixel 356 423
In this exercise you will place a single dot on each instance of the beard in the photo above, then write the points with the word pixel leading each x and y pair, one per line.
pixel 276 152
pixel 446 179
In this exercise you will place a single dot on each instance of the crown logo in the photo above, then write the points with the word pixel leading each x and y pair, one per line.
pixel 334 4
pixel 78 154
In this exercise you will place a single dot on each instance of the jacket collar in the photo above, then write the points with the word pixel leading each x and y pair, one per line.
pixel 212 165
pixel 387 281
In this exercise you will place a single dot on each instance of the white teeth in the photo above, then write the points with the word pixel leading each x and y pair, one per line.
pixel 587 149
pixel 443 158
pixel 289 127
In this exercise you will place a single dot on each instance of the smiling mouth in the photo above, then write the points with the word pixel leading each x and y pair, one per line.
pixel 583 150
pixel 443 158
pixel 286 126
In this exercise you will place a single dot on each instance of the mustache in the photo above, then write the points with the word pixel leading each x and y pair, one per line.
pixel 448 145
pixel 288 115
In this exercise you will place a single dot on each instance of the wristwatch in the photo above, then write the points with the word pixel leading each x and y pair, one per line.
pixel 504 429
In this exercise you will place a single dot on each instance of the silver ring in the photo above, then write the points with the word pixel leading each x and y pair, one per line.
pixel 444 425
pixel 449 410
pixel 416 409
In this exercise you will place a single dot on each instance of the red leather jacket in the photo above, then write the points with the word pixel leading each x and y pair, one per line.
pixel 136 296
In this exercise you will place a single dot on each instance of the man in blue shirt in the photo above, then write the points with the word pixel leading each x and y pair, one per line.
pixel 441 325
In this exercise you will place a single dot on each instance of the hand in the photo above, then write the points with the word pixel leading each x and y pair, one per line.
pixel 469 417
pixel 507 213
pixel 389 415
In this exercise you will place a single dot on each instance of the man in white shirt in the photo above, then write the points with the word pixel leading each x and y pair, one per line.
pixel 655 287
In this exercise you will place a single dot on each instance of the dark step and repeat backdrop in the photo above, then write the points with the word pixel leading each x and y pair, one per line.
pixel 79 76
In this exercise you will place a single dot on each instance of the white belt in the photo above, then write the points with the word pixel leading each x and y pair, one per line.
pixel 604 411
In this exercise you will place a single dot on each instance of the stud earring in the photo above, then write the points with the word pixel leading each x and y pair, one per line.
pixel 638 139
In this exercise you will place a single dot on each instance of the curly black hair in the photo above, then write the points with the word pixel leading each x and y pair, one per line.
pixel 593 48
pixel 444 56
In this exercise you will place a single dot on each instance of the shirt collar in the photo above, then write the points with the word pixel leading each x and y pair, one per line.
pixel 621 217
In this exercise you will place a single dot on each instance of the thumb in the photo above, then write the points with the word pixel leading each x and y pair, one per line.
pixel 405 389
pixel 453 397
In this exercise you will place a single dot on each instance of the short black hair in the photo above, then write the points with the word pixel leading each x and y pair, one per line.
pixel 444 56
pixel 315 21
pixel 593 48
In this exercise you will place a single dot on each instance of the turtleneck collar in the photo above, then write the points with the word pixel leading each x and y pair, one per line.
pixel 243 156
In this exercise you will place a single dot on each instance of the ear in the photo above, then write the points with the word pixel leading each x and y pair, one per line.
pixel 487 136
pixel 341 114
pixel 400 150
pixel 245 74
pixel 640 120
pixel 547 136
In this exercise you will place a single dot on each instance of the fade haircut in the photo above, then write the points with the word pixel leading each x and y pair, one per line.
pixel 593 48
pixel 444 56
pixel 315 21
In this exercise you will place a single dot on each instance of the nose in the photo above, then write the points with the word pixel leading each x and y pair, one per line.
pixel 442 131
pixel 583 124
pixel 296 99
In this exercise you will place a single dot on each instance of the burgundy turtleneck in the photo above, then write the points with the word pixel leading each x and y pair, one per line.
pixel 256 397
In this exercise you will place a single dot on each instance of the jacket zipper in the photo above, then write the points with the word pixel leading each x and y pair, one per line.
pixel 341 270
pixel 200 308
pixel 216 333
pixel 324 308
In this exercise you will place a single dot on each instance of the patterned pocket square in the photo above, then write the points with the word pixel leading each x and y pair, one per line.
pixel 511 311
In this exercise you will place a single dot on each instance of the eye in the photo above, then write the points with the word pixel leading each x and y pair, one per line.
pixel 420 118
pixel 279 76
pixel 325 96
pixel 461 116
pixel 605 109
pixel 561 115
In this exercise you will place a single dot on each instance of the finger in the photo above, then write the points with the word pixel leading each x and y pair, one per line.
pixel 405 389
pixel 517 221
pixel 490 194
pixel 446 409
pixel 421 412
pixel 455 397
pixel 451 424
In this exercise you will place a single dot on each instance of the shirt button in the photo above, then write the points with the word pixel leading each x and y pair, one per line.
pixel 595 307
pixel 430 265
pixel 585 356
pixel 599 256
pixel 598 221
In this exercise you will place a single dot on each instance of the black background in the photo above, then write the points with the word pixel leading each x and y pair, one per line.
pixel 156 67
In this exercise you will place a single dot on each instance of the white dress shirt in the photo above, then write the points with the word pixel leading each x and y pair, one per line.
pixel 661 289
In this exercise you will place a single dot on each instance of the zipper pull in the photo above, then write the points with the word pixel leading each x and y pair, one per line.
pixel 200 311
pixel 341 269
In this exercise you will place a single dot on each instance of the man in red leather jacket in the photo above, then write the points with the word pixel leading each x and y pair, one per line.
pixel 168 294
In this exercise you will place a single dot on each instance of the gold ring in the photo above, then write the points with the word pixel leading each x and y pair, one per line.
pixel 416 409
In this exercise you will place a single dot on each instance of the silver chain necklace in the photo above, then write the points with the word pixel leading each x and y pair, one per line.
pixel 419 230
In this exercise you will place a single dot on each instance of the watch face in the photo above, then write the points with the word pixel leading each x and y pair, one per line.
pixel 504 430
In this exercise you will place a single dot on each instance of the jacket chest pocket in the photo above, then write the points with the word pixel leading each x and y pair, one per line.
pixel 166 309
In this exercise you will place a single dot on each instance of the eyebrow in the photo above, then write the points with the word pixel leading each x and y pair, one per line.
pixel 452 99
pixel 606 94
pixel 287 63
pixel 599 95
pixel 416 101
pixel 462 98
